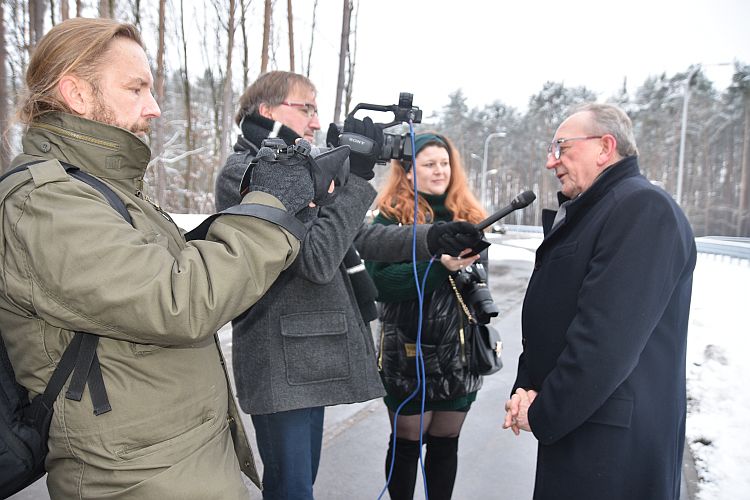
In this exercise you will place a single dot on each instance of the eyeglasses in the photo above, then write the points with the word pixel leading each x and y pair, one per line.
pixel 308 108
pixel 555 150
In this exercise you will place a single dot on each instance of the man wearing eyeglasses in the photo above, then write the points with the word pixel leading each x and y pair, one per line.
pixel 601 379
pixel 307 344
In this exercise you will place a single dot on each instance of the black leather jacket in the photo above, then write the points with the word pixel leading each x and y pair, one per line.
pixel 445 346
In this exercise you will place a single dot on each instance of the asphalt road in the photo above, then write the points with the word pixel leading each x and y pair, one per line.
pixel 492 463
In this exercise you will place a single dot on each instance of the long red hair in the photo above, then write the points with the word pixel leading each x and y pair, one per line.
pixel 396 199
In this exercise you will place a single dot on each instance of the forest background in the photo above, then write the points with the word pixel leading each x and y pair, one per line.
pixel 694 137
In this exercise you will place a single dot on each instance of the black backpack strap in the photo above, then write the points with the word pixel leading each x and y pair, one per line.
pixel 105 190
pixel 58 378
pixel 271 214
pixel 80 355
pixel 88 372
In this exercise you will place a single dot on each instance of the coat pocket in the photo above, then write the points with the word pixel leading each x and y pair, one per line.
pixel 316 348
pixel 615 411
pixel 564 251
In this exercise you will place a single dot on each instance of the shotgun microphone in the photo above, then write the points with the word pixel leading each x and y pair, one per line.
pixel 522 200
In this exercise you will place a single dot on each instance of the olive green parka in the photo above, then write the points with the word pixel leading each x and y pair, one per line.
pixel 71 263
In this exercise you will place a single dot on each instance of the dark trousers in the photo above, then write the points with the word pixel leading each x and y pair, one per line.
pixel 289 444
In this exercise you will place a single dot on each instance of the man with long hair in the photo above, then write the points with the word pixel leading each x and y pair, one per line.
pixel 71 263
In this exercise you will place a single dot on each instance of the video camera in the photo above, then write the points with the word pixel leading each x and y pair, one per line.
pixel 395 146
pixel 325 165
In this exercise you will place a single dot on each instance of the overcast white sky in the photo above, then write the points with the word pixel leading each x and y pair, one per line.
pixel 507 50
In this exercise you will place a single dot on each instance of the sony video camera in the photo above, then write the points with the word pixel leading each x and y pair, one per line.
pixel 395 146
pixel 472 282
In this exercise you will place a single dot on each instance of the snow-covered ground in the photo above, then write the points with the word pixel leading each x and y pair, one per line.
pixel 718 365
pixel 718 368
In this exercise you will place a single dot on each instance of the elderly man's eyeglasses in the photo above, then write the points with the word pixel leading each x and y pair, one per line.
pixel 308 108
pixel 555 147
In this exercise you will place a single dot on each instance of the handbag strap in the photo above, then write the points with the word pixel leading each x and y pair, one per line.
pixel 461 301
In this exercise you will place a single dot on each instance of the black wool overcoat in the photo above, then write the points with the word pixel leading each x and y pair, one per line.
pixel 605 322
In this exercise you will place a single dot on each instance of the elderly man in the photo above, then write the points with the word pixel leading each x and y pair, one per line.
pixel 601 380
pixel 71 263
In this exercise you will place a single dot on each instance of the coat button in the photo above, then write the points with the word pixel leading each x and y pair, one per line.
pixel 45 147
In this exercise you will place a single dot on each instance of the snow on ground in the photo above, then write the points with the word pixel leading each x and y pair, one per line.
pixel 718 365
pixel 717 372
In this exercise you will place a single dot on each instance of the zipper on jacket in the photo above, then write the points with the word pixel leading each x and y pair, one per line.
pixel 382 342
pixel 77 135
pixel 140 194
pixel 463 344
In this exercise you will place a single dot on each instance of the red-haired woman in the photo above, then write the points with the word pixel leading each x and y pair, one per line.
pixel 450 387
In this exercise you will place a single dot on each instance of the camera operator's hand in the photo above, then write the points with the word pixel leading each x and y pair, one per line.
pixel 361 164
pixel 291 183
pixel 452 238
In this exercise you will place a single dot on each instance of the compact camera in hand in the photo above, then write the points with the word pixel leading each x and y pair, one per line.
pixel 472 282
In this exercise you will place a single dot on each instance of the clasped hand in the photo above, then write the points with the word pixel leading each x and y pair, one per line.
pixel 517 411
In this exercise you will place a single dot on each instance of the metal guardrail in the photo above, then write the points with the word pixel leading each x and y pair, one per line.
pixel 730 246
pixel 738 248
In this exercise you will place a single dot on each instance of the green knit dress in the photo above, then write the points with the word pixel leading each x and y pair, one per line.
pixel 395 283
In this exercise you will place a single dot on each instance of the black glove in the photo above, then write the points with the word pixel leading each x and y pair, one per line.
pixel 452 237
pixel 360 164
pixel 291 183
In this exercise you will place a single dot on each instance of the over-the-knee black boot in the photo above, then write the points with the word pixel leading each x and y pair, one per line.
pixel 404 475
pixel 440 466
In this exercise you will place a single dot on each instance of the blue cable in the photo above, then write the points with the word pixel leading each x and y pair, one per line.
pixel 419 359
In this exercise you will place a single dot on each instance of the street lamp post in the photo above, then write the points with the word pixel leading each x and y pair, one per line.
pixel 475 156
pixel 484 165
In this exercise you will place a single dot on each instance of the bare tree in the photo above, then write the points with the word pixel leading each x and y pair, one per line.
pixel 64 10
pixel 745 172
pixel 312 38
pixel 290 23
pixel 188 110
pixel 137 14
pixel 227 97
pixel 36 20
pixel 104 10
pixel 343 53
pixel 4 146
pixel 266 37
pixel 351 59
pixel 79 8
pixel 161 175
pixel 244 4
pixel 52 11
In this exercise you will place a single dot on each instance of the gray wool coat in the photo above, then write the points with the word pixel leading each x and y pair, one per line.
pixel 304 344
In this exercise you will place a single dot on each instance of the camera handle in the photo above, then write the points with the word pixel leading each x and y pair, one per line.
pixel 400 114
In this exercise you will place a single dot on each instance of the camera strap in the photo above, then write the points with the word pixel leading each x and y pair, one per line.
pixel 461 301
pixel 267 213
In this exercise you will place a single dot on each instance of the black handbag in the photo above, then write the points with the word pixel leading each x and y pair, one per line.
pixel 486 347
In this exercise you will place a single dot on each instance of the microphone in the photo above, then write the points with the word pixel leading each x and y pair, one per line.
pixel 521 201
